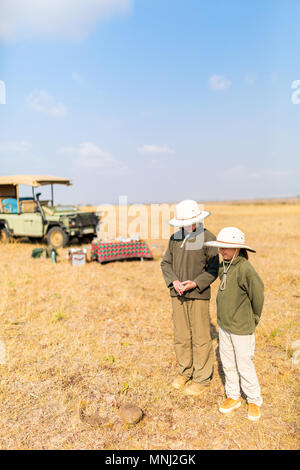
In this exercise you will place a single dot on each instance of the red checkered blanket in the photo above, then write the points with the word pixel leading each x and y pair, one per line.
pixel 111 251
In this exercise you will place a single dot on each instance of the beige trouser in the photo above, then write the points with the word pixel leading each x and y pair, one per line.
pixel 236 352
pixel 192 340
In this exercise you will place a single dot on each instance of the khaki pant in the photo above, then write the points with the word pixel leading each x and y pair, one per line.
pixel 236 352
pixel 192 340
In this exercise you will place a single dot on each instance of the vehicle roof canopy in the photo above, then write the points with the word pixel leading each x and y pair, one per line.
pixel 33 180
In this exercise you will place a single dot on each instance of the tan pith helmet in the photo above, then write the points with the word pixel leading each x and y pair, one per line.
pixel 230 237
pixel 187 212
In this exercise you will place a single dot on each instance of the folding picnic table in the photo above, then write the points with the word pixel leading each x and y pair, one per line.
pixel 117 250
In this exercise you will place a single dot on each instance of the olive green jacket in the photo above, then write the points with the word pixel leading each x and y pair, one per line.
pixel 239 306
pixel 182 262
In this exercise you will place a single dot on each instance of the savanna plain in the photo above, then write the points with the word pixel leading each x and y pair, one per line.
pixel 78 342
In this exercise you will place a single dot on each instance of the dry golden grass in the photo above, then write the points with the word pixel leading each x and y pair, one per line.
pixel 81 341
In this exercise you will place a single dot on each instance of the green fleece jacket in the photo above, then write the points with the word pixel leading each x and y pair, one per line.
pixel 187 259
pixel 239 306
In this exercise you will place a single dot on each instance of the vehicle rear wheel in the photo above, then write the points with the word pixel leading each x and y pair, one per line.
pixel 4 235
pixel 57 237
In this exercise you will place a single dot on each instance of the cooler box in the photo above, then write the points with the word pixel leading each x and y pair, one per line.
pixel 77 258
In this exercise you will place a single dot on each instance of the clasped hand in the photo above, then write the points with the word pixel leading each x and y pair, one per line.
pixel 182 287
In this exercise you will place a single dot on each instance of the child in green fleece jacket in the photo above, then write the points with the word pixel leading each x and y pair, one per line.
pixel 239 305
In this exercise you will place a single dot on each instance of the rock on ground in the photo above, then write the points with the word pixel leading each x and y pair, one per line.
pixel 130 414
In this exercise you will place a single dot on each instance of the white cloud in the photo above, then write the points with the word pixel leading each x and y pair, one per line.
pixel 91 157
pixel 155 164
pixel 71 19
pixel 14 147
pixel 41 101
pixel 155 149
pixel 219 82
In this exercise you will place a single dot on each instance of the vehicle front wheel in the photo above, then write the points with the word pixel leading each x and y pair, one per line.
pixel 4 235
pixel 57 237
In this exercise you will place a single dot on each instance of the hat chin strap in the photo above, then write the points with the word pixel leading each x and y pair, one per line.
pixel 197 231
pixel 226 269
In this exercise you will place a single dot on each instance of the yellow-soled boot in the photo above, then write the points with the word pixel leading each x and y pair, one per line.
pixel 195 389
pixel 253 412
pixel 179 382
pixel 229 405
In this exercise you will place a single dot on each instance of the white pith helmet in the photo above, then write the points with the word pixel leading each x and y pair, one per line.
pixel 230 237
pixel 187 213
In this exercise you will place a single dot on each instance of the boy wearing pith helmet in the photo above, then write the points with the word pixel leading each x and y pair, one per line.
pixel 239 305
pixel 189 268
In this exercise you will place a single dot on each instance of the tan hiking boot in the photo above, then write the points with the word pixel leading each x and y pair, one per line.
pixel 253 412
pixel 195 389
pixel 179 382
pixel 229 405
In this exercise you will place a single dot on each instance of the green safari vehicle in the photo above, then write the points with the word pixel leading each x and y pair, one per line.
pixel 36 219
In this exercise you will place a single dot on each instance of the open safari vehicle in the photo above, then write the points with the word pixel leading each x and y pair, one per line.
pixel 41 219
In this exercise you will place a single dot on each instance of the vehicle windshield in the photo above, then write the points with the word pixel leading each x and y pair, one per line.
pixel 30 199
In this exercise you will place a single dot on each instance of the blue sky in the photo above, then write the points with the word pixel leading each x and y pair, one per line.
pixel 158 100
